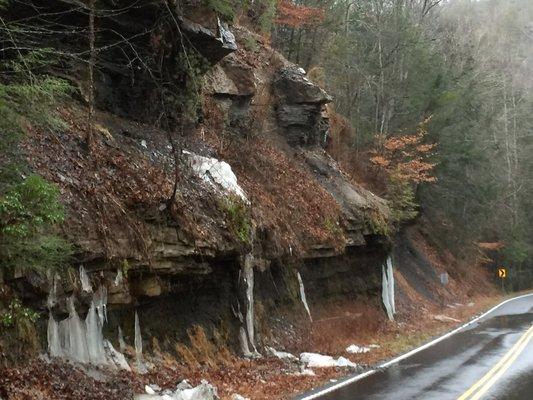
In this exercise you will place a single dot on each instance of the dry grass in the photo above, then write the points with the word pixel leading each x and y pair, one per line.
pixel 341 324
pixel 287 200
pixel 203 352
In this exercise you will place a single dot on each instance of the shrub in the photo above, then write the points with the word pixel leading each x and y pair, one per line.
pixel 225 8
pixel 28 211
pixel 267 14
pixel 29 96
pixel 377 223
pixel 238 217
pixel 401 196
pixel 251 44
pixel 17 314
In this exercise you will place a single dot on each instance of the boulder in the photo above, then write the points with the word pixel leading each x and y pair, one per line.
pixel 213 45
pixel 230 77
pixel 293 87
pixel 301 108
pixel 358 205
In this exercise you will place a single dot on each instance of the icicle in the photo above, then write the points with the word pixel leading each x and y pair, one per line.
pixel 64 336
pixel 84 279
pixel 119 278
pixel 390 279
pixel 54 342
pixel 104 302
pixel 387 290
pixel 115 357
pixel 100 300
pixel 121 342
pixel 52 295
pixel 141 368
pixel 247 278
pixel 77 340
pixel 302 295
pixel 243 337
pixel 95 339
pixel 243 341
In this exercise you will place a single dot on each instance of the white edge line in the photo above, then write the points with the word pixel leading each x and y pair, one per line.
pixel 406 355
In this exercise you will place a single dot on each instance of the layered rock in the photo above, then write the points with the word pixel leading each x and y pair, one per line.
pixel 301 112
pixel 200 260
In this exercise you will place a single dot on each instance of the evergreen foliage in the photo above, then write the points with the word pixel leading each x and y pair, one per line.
pixel 29 206
pixel 238 217
pixel 28 211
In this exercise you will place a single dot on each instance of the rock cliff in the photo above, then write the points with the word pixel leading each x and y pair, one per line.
pixel 212 224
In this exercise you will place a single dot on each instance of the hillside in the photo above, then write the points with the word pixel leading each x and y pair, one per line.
pixel 204 215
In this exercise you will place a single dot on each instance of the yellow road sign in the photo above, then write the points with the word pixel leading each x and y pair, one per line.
pixel 502 273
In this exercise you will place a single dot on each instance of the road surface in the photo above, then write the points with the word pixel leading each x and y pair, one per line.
pixel 491 358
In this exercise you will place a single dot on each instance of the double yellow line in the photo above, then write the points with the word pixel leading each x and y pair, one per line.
pixel 490 378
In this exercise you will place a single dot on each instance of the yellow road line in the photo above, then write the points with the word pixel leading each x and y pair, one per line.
pixel 495 369
pixel 503 369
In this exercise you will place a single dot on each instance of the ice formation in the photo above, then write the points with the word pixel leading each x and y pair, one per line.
pixel 215 172
pixel 184 391
pixel 83 341
pixel 315 360
pixel 355 349
pixel 54 342
pixel 84 279
pixel 387 292
pixel 282 355
pixel 246 302
pixel 141 368
pixel 302 295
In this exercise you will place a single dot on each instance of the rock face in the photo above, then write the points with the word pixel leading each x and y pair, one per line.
pixel 352 198
pixel 213 45
pixel 289 206
pixel 301 110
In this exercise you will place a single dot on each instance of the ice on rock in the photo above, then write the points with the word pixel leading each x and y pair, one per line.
pixel 243 341
pixel 52 295
pixel 115 357
pixel 184 391
pixel 355 349
pixel 84 279
pixel 239 397
pixel 141 368
pixel 282 355
pixel 119 278
pixel 204 391
pixel 215 172
pixel 344 362
pixel 184 384
pixel 75 336
pixel 246 302
pixel 306 372
pixel 148 389
pixel 83 341
pixel 95 340
pixel 100 302
pixel 387 291
pixel 302 295
pixel 315 360
pixel 54 341
pixel 121 342
pixel 248 272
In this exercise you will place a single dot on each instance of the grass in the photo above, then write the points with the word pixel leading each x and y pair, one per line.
pixel 238 217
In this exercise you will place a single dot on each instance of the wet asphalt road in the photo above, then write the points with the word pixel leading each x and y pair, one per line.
pixel 451 367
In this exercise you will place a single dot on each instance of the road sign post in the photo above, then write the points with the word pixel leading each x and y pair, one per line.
pixel 502 274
